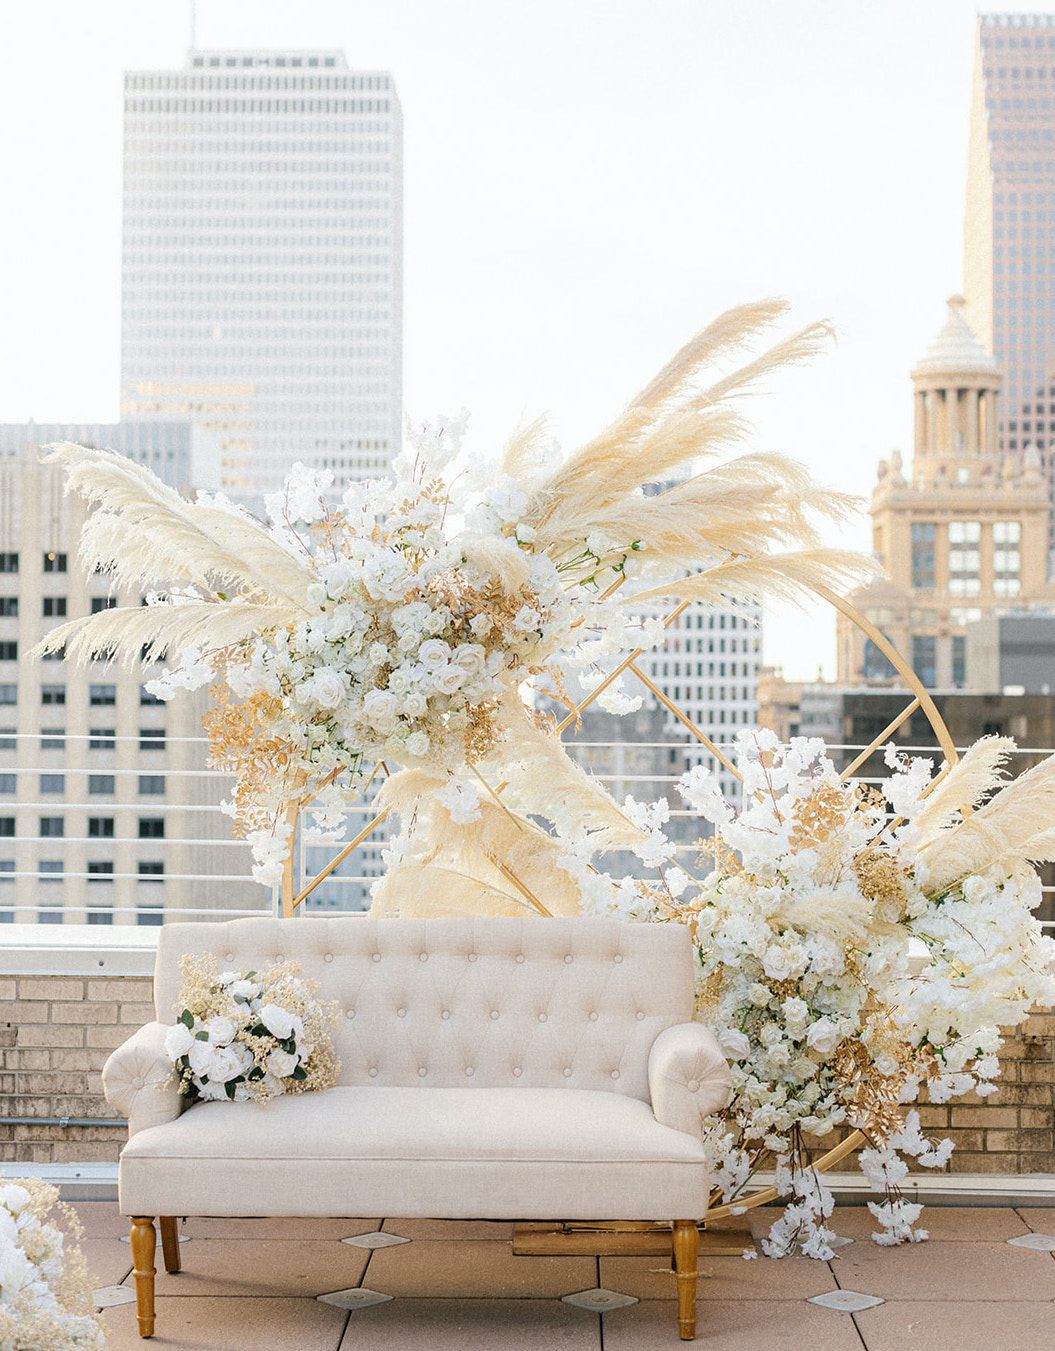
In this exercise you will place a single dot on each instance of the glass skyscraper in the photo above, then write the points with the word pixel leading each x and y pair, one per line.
pixel 1009 234
pixel 262 259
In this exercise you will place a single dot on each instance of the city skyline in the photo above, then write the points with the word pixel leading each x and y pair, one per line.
pixel 574 210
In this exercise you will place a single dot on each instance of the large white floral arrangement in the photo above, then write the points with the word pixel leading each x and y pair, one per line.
pixel 400 620
pixel 855 944
pixel 250 1036
pixel 45 1294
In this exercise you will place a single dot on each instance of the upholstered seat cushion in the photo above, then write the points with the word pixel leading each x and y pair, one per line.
pixel 532 1153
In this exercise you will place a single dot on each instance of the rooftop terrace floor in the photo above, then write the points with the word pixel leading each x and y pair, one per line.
pixel 253 1284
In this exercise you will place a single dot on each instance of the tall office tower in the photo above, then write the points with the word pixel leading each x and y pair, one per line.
pixel 262 259
pixel 1009 227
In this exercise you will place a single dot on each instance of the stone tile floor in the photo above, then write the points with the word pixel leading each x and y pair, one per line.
pixel 252 1284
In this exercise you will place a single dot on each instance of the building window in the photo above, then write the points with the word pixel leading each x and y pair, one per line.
pixel 54 562
pixel 145 697
pixel 8 784
pixel 959 660
pixel 8 607
pixel 151 872
pixel 7 827
pixel 53 738
pixel 102 696
pixel 877 665
pixel 100 827
pixel 147 916
pixel 51 914
pixel 53 694
pixel 8 562
pixel 50 869
pixel 9 651
pixel 53 826
pixel 101 872
pixel 151 827
pixel 8 738
pixel 54 607
pixel 53 783
pixel 923 535
pixel 100 784
pixel 961 616
pixel 9 695
pixel 965 558
pixel 924 659
pixel 152 785
pixel 101 738
pixel 152 738
pixel 100 603
pixel 98 915
pixel 1007 536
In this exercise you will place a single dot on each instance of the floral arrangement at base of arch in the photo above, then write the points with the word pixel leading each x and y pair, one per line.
pixel 45 1292
pixel 856 944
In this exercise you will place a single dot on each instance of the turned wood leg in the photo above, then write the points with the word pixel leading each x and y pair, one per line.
pixel 144 1242
pixel 170 1242
pixel 686 1251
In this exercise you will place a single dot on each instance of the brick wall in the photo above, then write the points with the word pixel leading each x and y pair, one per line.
pixel 55 1035
pixel 56 1032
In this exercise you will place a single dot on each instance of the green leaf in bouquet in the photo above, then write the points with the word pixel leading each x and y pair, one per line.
pixel 186 1018
pixel 201 1036
pixel 299 1073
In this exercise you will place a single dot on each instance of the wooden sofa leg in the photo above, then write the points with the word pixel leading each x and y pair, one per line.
pixel 686 1242
pixel 170 1242
pixel 144 1243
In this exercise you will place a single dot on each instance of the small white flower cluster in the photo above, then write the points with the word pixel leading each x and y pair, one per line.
pixel 241 1043
pixel 37 1300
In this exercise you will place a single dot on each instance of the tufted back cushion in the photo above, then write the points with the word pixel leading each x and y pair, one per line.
pixel 470 1002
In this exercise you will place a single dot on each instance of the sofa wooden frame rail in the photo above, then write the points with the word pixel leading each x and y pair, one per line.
pixel 584 1099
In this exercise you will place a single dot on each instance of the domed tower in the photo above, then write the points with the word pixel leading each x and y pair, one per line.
pixel 957 385
pixel 962 535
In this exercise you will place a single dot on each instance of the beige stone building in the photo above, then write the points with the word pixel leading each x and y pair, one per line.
pixel 105 805
pixel 961 535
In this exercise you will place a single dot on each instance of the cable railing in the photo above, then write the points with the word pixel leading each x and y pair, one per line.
pixel 127 857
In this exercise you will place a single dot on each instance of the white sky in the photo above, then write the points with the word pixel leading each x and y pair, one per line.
pixel 587 183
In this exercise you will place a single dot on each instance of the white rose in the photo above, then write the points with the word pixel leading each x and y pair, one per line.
pixel 823 1036
pixel 315 594
pixel 415 705
pixel 328 688
pixel 242 989
pixel 178 1041
pixel 448 679
pixel 380 708
pixel 220 1030
pixel 278 1021
pixel 282 1063
pixel 434 654
pixel 777 963
pixel 417 743
pixel 469 657
pixel 734 1045
pixel 220 1063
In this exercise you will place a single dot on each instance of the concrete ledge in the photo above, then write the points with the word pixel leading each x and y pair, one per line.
pixel 77 950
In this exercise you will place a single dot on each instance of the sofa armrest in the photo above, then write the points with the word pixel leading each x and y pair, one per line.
pixel 688 1077
pixel 131 1079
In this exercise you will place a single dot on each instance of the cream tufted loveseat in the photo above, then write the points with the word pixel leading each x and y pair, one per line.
pixel 537 1069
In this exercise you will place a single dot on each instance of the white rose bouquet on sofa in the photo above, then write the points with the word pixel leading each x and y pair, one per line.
pixel 250 1036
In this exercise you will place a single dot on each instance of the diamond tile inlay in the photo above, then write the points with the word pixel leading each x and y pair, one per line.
pixel 375 1240
pixel 1042 1242
pixel 846 1301
pixel 353 1299
pixel 108 1296
pixel 599 1301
